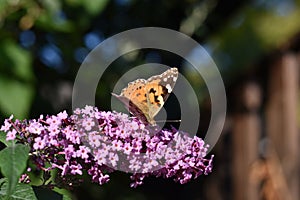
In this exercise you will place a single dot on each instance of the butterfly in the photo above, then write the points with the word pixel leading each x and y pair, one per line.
pixel 145 98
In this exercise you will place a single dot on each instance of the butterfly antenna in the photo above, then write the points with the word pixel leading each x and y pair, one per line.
pixel 163 121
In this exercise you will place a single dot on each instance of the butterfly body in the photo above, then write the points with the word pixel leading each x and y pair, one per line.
pixel 145 98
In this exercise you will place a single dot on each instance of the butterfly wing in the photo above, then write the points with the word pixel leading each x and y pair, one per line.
pixel 132 108
pixel 135 99
pixel 158 89
pixel 144 98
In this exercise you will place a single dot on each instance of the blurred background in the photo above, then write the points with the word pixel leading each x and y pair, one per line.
pixel 255 45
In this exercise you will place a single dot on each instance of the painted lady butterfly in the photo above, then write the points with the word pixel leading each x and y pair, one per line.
pixel 144 98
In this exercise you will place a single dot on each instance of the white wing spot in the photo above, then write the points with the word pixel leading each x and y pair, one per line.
pixel 174 79
pixel 168 86
pixel 165 79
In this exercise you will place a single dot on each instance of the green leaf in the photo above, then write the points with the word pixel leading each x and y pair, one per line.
pixel 4 7
pixel 66 197
pixel 15 60
pixel 3 138
pixel 47 23
pixel 66 194
pixel 2 180
pixel 94 7
pixel 46 193
pixel 13 160
pixel 16 97
pixel 16 77
pixel 23 191
pixel 4 141
pixel 53 6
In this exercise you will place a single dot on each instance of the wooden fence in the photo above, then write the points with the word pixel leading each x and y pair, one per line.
pixel 265 134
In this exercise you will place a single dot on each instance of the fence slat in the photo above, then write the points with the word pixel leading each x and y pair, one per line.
pixel 246 133
pixel 281 118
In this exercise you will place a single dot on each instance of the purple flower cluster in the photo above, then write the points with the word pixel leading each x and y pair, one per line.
pixel 99 142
